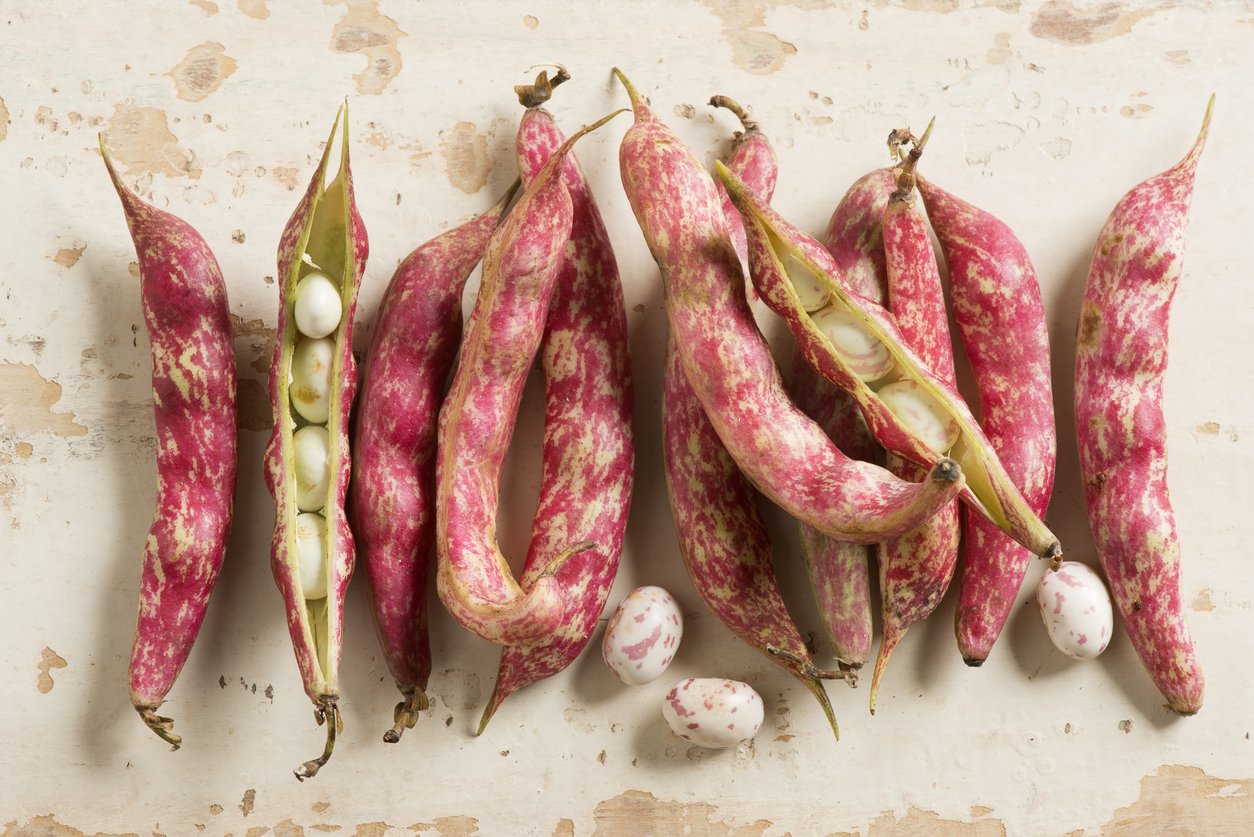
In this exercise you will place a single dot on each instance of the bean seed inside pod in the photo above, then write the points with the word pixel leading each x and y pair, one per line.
pixel 811 291
pixel 922 413
pixel 311 551
pixel 865 354
pixel 311 450
pixel 318 306
pixel 311 378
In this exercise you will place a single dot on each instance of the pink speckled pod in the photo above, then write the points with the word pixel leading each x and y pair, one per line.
pixel 729 365
pixel 324 230
pixel 753 159
pixel 839 572
pixel 193 390
pixel 1121 357
pixel 854 234
pixel 915 570
pixel 988 486
pixel 997 305
pixel 722 538
pixel 520 271
pixel 585 488
pixel 393 490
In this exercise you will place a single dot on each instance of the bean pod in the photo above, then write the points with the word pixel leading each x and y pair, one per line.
pixel 193 389
pixel 874 356
pixel 915 570
pixel 307 462
pixel 729 365
pixel 997 306
pixel 393 490
pixel 1121 358
pixel 520 270
pixel 588 454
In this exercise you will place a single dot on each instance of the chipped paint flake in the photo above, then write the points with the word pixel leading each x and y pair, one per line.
pixel 49 660
pixel 256 9
pixel 531 21
pixel 202 71
pixel 4 120
pixel 465 152
pixel 364 30
pixel 67 257
pixel 754 50
pixel 140 141
pixel 1066 23
pixel 1202 602
pixel 27 405
pixel 455 826
pixel 638 812
pixel 1190 800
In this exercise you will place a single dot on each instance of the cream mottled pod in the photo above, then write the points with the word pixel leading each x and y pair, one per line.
pixel 520 270
pixel 915 570
pixel 315 549
pixel 1121 358
pixel 588 455
pixel 392 512
pixel 997 306
pixel 729 365
pixel 774 242
pixel 855 236
pixel 193 392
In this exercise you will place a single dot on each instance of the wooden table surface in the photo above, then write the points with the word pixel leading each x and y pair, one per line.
pixel 216 110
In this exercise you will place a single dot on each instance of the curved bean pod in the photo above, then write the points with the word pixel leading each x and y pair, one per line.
pixel 988 486
pixel 324 233
pixel 1121 357
pixel 585 487
pixel 753 158
pixel 854 234
pixel 997 306
pixel 393 490
pixel 193 389
pixel 915 570
pixel 520 270
pixel 727 361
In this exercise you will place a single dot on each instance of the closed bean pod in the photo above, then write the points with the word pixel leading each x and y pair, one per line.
pixel 187 318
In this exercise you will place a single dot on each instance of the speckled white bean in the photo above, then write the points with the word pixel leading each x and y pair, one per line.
pixel 1075 606
pixel 712 712
pixel 812 293
pixel 643 635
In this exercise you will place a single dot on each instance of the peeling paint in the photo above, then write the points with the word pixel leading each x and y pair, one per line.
pixel 250 799
pixel 465 152
pixel 685 111
pixel 638 812
pixel 1190 800
pixel 531 21
pixel 67 257
pixel 920 822
pixel 985 139
pixel 202 71
pixel 140 141
pixel 1210 428
pixel 755 50
pixel 1065 23
pixel 4 120
pixel 256 9
pixel 1125 726
pixel 364 30
pixel 207 6
pixel 289 177
pixel 27 405
pixel 456 826
pixel 1202 601
pixel 49 660
pixel 1000 52
pixel 1057 148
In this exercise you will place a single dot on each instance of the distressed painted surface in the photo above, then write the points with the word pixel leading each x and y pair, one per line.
pixel 1047 113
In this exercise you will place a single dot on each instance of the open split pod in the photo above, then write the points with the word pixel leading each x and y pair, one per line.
pixel 313 379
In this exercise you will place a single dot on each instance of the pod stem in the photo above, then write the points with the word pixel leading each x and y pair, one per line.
pixel 406 713
pixel 163 727
pixel 749 123
pixel 541 90
pixel 905 179
pixel 328 714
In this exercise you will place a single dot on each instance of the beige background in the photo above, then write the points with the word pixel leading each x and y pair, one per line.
pixel 215 110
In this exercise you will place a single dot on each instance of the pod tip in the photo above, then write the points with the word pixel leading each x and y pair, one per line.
pixel 946 471
pixel 973 663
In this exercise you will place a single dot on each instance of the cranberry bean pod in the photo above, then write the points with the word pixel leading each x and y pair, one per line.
pixel 520 270
pixel 394 440
pixel 1121 358
pixel 839 572
pixel 997 306
pixel 585 487
pixel 854 235
pixel 785 454
pixel 915 570
pixel 753 158
pixel 193 387
pixel 988 486
pixel 325 233
pixel 722 537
